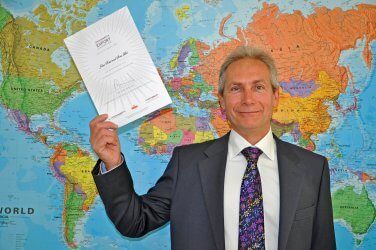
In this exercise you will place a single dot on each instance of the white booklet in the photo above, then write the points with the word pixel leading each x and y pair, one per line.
pixel 117 69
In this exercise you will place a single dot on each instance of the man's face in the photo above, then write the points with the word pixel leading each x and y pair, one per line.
pixel 248 97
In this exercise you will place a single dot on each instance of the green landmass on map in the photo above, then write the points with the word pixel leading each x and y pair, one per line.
pixel 357 210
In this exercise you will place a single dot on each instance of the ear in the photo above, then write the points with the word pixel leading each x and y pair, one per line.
pixel 221 102
pixel 275 98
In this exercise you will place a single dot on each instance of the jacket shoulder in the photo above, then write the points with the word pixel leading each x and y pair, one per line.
pixel 298 151
pixel 207 147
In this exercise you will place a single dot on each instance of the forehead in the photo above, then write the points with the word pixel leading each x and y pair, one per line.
pixel 247 70
pixel 246 66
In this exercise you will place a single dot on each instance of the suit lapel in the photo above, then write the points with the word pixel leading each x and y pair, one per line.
pixel 290 183
pixel 212 174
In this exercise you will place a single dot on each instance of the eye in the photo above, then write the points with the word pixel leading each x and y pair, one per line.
pixel 260 87
pixel 234 88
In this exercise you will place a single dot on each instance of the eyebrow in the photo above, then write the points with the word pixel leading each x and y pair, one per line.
pixel 259 81
pixel 253 82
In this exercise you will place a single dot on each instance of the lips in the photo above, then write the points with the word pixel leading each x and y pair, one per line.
pixel 249 112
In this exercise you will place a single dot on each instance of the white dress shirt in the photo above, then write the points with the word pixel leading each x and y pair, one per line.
pixel 235 168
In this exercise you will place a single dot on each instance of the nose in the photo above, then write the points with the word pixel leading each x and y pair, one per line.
pixel 247 97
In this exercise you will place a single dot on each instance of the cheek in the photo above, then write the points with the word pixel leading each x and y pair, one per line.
pixel 231 107
pixel 233 100
pixel 227 103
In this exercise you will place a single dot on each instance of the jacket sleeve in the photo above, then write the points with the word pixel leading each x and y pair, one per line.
pixel 323 229
pixel 132 214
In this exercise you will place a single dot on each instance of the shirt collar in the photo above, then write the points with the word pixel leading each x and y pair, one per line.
pixel 237 143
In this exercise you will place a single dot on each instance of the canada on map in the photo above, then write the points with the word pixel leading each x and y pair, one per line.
pixel 325 56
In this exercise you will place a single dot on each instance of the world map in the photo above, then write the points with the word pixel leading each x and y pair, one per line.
pixel 325 55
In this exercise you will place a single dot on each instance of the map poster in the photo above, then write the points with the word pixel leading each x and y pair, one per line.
pixel 117 69
pixel 325 57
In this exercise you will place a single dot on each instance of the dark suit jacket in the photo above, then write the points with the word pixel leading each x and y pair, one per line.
pixel 190 196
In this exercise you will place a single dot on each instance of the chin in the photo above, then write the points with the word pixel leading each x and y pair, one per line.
pixel 248 127
pixel 251 126
pixel 248 124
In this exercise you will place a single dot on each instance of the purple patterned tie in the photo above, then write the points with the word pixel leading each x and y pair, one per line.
pixel 251 211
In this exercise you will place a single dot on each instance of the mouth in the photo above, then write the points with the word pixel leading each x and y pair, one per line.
pixel 249 113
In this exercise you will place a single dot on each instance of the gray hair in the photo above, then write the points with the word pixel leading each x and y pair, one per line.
pixel 242 52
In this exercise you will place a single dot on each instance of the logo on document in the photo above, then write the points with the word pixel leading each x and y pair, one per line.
pixel 103 42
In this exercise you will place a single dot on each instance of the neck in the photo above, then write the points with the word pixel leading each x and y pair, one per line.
pixel 253 137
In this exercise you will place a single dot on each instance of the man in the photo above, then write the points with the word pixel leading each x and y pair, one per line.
pixel 246 190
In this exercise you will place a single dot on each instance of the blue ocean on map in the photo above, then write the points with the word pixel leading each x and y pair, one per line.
pixel 75 116
pixel 28 184
pixel 32 187
pixel 356 129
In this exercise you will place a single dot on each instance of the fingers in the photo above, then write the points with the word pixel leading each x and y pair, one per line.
pixel 98 119
pixel 103 137
pixel 104 134
pixel 104 143
pixel 99 126
pixel 104 125
pixel 100 122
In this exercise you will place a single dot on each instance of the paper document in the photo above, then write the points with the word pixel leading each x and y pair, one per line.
pixel 117 69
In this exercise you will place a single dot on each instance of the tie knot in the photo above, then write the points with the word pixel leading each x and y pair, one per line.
pixel 251 154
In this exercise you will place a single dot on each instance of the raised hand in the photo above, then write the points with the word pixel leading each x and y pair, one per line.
pixel 105 141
